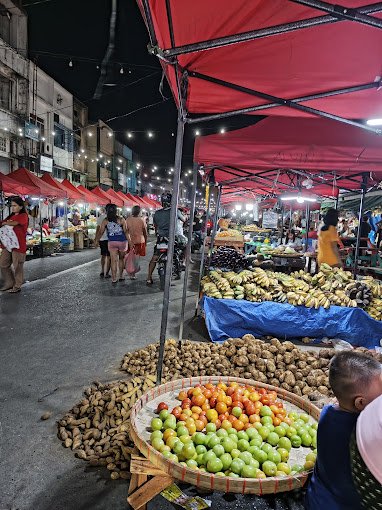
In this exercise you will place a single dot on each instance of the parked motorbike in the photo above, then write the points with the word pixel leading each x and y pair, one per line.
pixel 162 247
pixel 197 241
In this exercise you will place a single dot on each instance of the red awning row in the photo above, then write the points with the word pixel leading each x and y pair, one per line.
pixel 24 182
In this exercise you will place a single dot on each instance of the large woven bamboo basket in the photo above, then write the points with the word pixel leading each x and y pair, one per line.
pixel 198 478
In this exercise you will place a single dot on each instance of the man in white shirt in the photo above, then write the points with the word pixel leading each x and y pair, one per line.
pixel 103 244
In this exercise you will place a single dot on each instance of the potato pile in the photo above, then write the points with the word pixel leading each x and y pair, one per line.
pixel 277 363
pixel 281 364
pixel 96 429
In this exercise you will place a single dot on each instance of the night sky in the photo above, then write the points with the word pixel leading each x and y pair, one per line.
pixel 78 30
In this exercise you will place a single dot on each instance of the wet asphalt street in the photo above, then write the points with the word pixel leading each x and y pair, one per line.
pixel 66 329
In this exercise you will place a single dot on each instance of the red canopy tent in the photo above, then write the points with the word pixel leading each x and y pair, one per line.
pixel 89 197
pixel 279 153
pixel 137 200
pixel 103 195
pixel 73 192
pixel 149 203
pixel 56 184
pixel 43 189
pixel 155 204
pixel 331 67
pixel 9 185
pixel 115 198
pixel 128 202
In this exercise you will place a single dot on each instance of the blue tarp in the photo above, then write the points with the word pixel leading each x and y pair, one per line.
pixel 227 318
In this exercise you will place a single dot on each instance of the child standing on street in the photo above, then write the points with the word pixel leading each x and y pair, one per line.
pixel 356 380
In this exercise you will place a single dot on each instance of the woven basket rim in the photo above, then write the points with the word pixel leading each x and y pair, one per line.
pixel 209 480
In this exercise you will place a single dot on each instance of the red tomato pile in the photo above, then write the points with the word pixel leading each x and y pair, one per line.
pixel 232 406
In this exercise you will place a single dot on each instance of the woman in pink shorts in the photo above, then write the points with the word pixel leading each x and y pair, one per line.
pixel 118 239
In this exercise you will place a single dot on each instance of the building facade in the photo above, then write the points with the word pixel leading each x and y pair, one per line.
pixel 100 152
pixel 14 70
pixel 80 143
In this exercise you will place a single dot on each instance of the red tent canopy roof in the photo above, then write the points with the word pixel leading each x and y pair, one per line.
pixel 89 197
pixel 285 142
pixel 9 185
pixel 43 189
pixel 104 197
pixel 115 198
pixel 137 200
pixel 73 192
pixel 127 201
pixel 56 184
pixel 289 65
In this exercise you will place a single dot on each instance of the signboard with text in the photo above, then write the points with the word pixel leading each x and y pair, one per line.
pixel 31 131
pixel 46 164
pixel 270 219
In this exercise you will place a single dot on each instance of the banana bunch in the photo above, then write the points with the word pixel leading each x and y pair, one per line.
pixel 239 292
pixel 287 281
pixel 315 299
pixel 234 279
pixel 279 296
pixel 340 298
pixel 210 290
pixel 375 309
pixel 332 285
pixel 360 292
pixel 260 277
pixel 318 279
pixel 375 285
pixel 302 275
pixel 246 276
pixel 296 298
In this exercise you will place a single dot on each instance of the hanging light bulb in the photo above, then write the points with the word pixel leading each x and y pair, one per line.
pixel 70 63
pixel 129 135
pixel 222 131
pixel 121 71
pixel 150 134
pixel 197 132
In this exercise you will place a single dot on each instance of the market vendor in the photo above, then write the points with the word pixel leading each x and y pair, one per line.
pixel 293 241
pixel 45 227
pixel 224 222
pixel 12 259
pixel 328 240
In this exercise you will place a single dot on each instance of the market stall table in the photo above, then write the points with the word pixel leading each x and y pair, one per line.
pixel 233 243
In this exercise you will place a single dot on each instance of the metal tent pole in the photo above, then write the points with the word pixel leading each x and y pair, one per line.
pixel 210 185
pixel 336 203
pixel 171 243
pixel 358 242
pixel 40 220
pixel 307 223
pixel 188 255
pixel 215 227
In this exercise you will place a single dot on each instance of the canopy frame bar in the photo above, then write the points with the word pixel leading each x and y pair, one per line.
pixel 266 32
pixel 341 12
pixel 291 103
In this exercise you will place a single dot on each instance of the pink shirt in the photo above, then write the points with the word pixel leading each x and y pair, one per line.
pixel 137 229
pixel 369 437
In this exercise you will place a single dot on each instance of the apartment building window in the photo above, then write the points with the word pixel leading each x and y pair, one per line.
pixel 3 144
pixel 76 177
pixel 58 173
pixel 5 93
pixel 59 137
pixel 56 118
pixel 39 123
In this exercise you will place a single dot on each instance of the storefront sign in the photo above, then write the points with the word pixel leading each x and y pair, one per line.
pixel 270 219
pixel 46 164
pixel 32 131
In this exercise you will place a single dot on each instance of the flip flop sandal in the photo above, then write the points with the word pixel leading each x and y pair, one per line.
pixel 14 290
pixel 107 276
pixel 150 282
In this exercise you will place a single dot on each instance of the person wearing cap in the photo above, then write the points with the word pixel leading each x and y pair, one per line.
pixel 162 229
pixel 366 456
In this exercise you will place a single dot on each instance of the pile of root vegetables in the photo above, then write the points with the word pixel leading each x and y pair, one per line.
pixel 97 428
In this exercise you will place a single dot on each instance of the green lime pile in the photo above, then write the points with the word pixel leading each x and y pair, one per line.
pixel 261 451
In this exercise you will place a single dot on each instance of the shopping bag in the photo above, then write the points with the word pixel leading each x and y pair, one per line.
pixel 8 238
pixel 132 262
